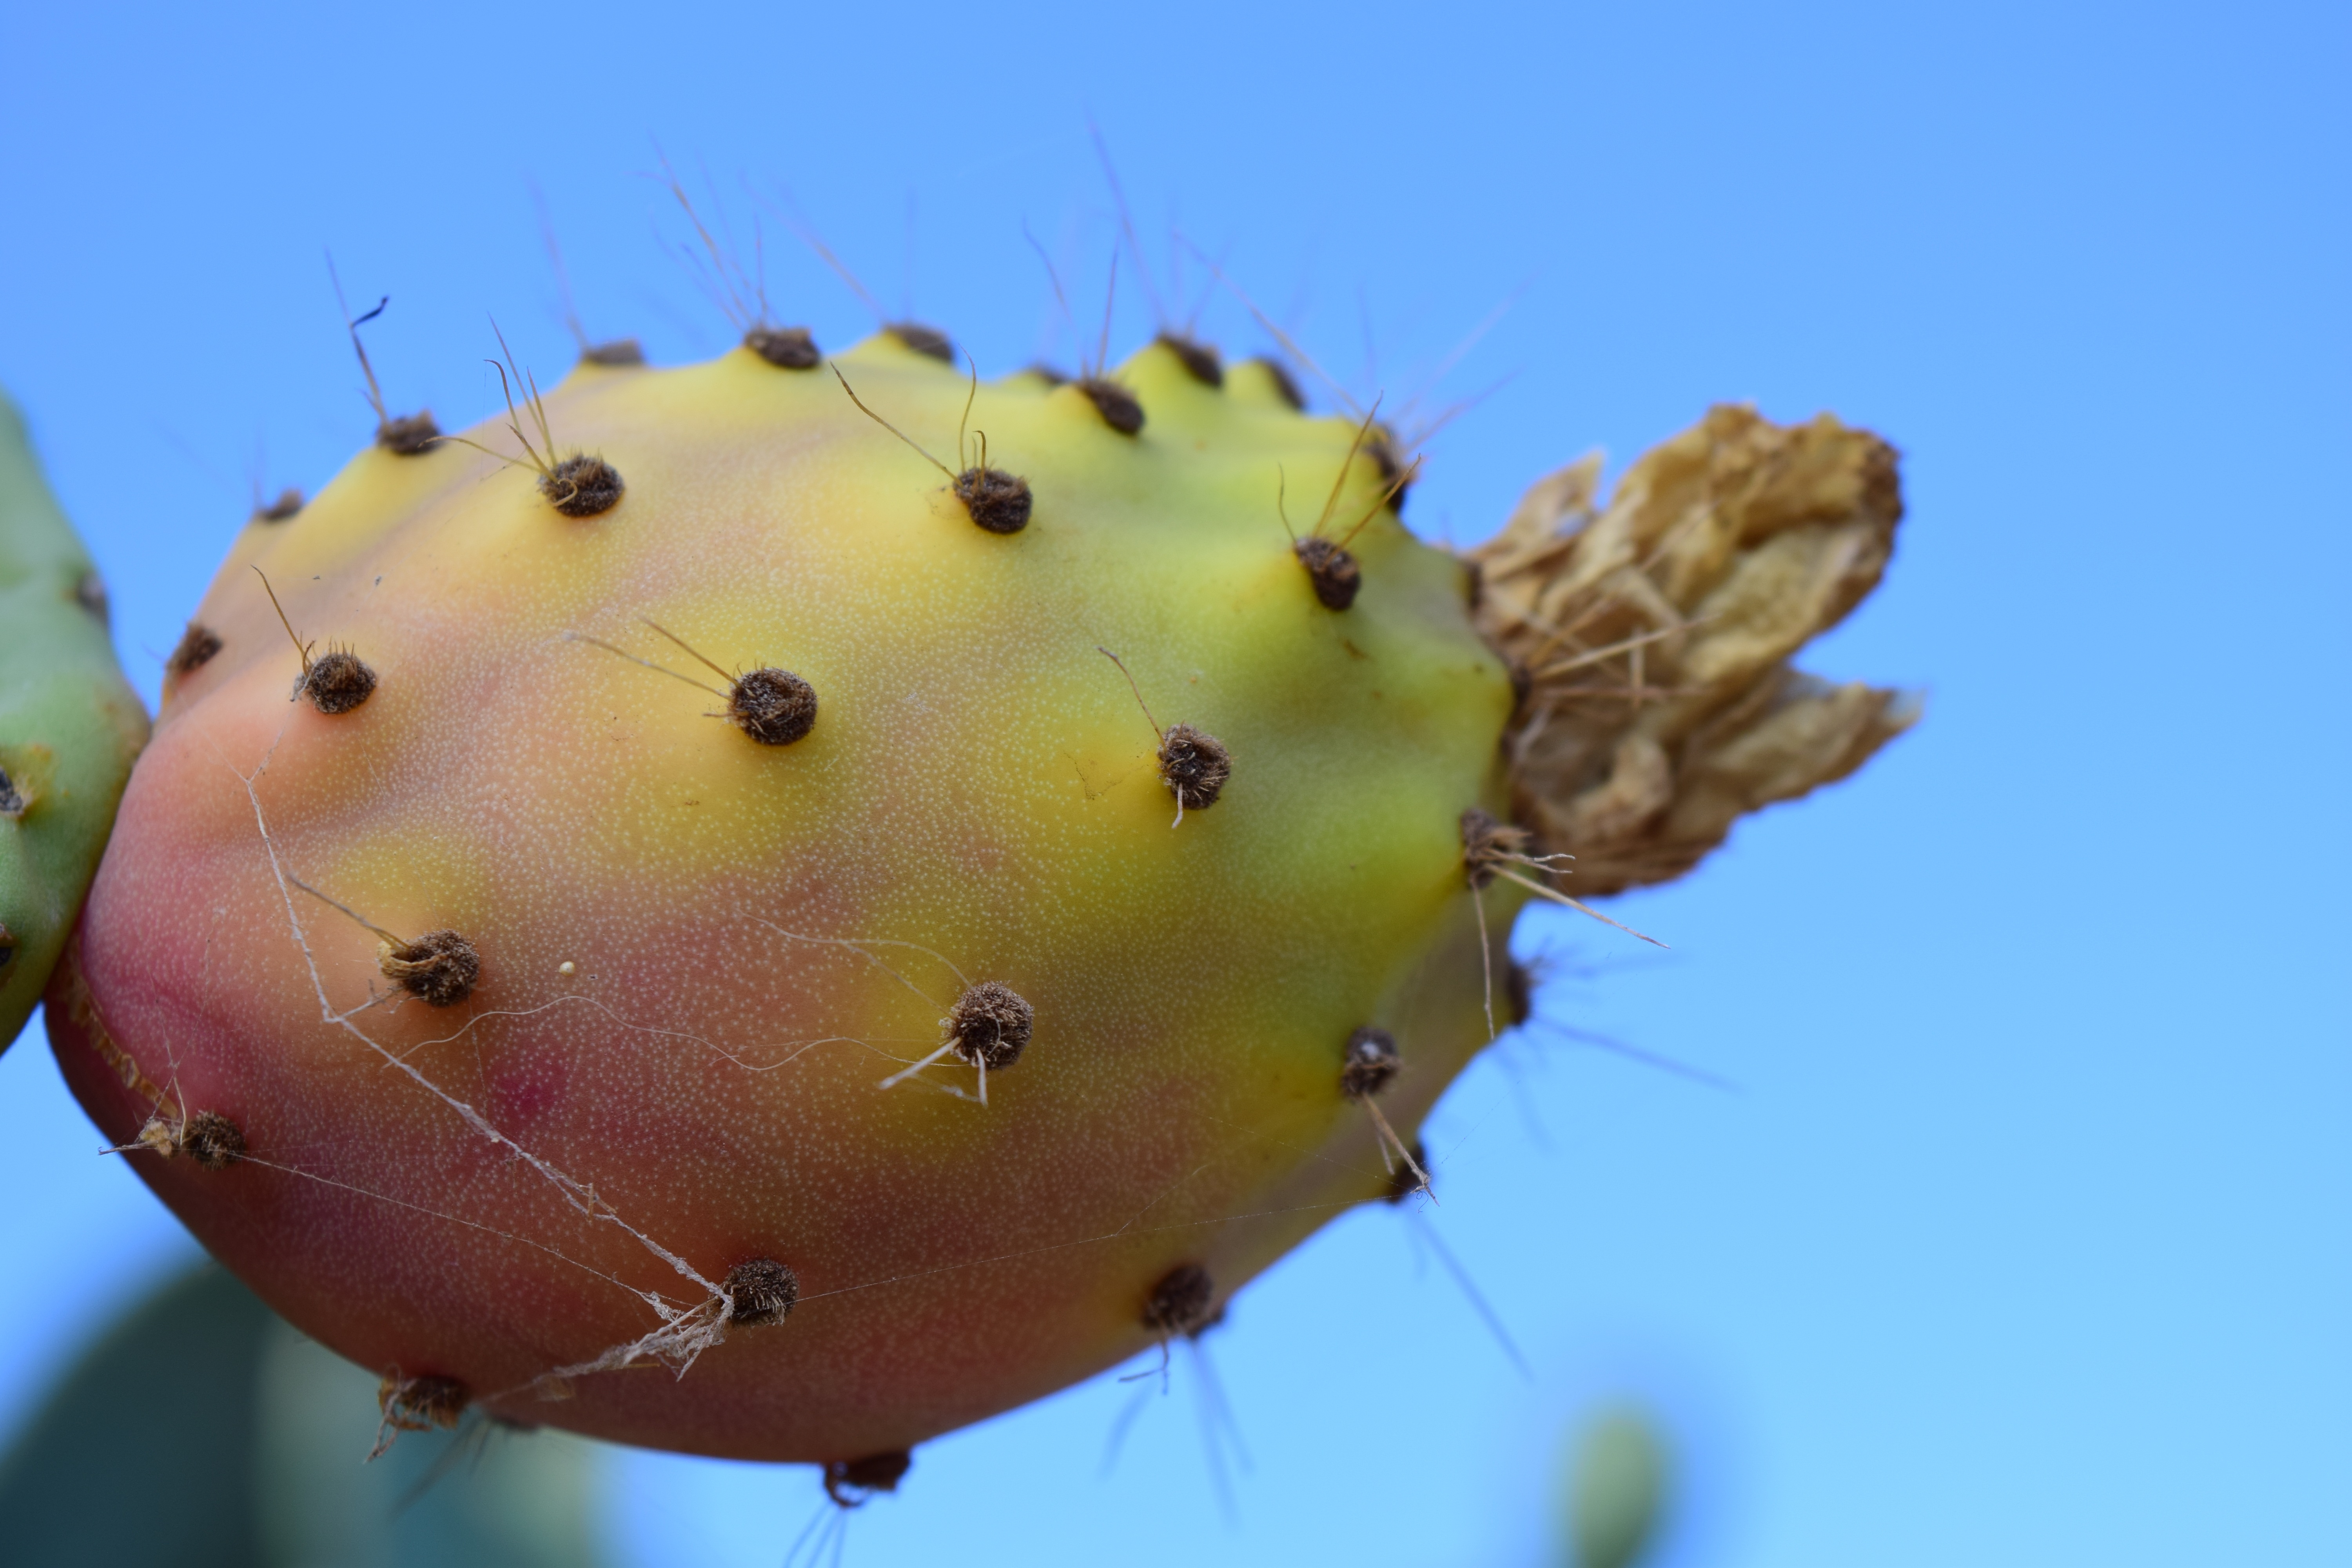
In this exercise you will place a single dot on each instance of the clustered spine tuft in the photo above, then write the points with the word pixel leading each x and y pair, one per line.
pixel 1199 360
pixel 1371 1064
pixel 420 1404
pixel 1409 1175
pixel 929 341
pixel 1518 992
pixel 1194 766
pixel 581 486
pixel 1489 845
pixel 1331 569
pixel 786 347
pixel 212 1140
pixel 621 354
pixel 1285 387
pixel 337 681
pixel 990 1025
pixel 851 1483
pixel 89 592
pixel 1118 407
pixel 197 646
pixel 410 436
pixel 1381 449
pixel 439 968
pixel 773 706
pixel 997 501
pixel 1180 1300
pixel 289 502
pixel 760 1290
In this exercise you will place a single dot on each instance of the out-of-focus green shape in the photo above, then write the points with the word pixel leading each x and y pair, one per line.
pixel 205 1432
pixel 1620 1484
pixel 71 726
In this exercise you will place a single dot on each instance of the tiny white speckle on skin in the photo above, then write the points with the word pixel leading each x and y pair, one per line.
pixel 567 968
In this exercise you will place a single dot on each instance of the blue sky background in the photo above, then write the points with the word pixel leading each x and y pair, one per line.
pixel 2023 1241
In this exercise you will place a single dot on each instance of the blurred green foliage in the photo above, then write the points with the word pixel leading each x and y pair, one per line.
pixel 204 1432
pixel 1619 1488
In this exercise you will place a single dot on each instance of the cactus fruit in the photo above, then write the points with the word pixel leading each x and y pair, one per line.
pixel 69 726
pixel 1721 553
pixel 1032 927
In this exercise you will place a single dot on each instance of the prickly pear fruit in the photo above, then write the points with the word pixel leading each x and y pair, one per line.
pixel 1030 930
pixel 69 726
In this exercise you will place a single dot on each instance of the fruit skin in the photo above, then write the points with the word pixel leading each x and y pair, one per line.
pixel 69 726
pixel 980 780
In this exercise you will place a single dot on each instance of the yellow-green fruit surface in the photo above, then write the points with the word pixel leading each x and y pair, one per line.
pixel 701 957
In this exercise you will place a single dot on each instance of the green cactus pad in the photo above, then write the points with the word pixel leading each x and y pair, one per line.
pixel 69 726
